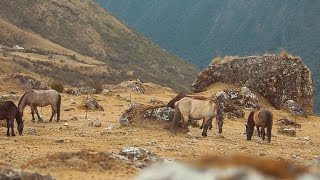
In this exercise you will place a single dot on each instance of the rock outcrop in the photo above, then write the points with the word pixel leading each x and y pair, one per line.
pixel 277 78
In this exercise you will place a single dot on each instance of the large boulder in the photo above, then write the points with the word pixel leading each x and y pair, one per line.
pixel 276 78
pixel 234 100
pixel 294 108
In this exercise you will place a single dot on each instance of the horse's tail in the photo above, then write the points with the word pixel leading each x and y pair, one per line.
pixel 58 107
pixel 269 122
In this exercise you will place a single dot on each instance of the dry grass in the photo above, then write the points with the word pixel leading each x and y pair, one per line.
pixel 43 146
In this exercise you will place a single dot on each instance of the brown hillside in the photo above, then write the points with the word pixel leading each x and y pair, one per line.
pixel 86 28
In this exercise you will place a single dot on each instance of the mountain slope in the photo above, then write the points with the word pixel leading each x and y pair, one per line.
pixel 87 29
pixel 200 30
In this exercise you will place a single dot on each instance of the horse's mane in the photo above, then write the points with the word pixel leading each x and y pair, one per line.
pixel 22 97
pixel 182 95
pixel 250 118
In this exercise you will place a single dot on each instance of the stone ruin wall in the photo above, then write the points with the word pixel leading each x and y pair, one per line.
pixel 276 78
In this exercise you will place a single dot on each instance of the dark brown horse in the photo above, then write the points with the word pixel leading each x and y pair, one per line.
pixel 195 109
pixel 41 98
pixel 9 112
pixel 259 118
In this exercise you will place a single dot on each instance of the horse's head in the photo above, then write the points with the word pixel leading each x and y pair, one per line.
pixel 249 131
pixel 19 122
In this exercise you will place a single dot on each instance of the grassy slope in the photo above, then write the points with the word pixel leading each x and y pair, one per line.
pixel 84 27
pixel 201 30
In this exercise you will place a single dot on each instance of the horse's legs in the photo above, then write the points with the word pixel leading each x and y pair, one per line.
pixel 269 134
pixel 54 111
pixel 12 126
pixel 206 123
pixel 8 127
pixel 32 113
pixel 39 118
pixel 263 133
pixel 210 123
pixel 258 131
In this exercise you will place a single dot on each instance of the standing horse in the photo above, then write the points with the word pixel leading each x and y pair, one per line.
pixel 172 102
pixel 9 112
pixel 259 118
pixel 195 109
pixel 41 98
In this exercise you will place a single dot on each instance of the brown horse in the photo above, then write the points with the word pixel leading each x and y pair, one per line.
pixel 259 118
pixel 41 98
pixel 195 109
pixel 9 112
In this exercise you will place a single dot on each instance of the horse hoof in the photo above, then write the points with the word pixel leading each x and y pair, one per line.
pixel 13 134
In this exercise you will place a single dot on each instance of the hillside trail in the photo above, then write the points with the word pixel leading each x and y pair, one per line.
pixel 41 145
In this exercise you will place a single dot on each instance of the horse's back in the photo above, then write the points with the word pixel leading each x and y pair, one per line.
pixel 7 108
pixel 263 117
pixel 42 97
pixel 195 108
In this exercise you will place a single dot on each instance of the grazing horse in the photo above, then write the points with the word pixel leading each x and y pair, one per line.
pixel 195 109
pixel 9 112
pixel 41 98
pixel 259 118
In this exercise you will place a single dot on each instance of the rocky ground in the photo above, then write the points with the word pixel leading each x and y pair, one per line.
pixel 89 144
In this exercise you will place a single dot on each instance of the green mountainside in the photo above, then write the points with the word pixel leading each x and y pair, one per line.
pixel 200 30
pixel 86 28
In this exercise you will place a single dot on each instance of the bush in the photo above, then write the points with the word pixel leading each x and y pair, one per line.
pixel 57 86
pixel 216 60
pixel 284 54
pixel 98 86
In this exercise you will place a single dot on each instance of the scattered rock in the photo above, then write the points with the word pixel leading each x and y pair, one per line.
pixel 93 104
pixel 161 114
pixel 74 118
pixel 139 156
pixel 61 140
pixel 136 86
pixel 287 131
pixel 14 174
pixel 29 82
pixel 288 122
pixel 95 124
pixel 30 131
pixel 69 109
pixel 294 108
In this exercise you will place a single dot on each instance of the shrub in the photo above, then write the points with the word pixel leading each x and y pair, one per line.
pixel 57 86
pixel 216 60
pixel 284 54
pixel 98 86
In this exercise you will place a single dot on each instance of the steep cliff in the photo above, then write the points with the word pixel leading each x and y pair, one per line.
pixel 277 78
